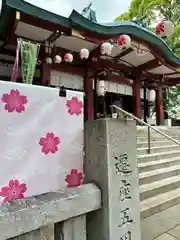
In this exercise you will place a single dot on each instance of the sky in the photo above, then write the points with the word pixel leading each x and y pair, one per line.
pixel 106 10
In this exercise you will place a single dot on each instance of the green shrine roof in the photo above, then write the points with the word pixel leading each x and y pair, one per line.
pixel 87 22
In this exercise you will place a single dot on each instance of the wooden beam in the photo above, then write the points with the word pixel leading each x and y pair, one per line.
pixel 147 66
pixel 169 74
pixel 53 37
pixel 11 62
pixel 13 22
pixel 172 81
pixel 115 78
pixel 8 78
pixel 8 52
pixel 67 68
pixel 102 63
pixel 95 54
pixel 124 53
pixel 44 24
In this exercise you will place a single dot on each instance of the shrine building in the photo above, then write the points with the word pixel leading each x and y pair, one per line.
pixel 130 63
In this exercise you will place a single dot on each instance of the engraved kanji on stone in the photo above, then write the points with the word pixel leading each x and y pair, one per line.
pixel 125 190
pixel 122 165
pixel 125 218
pixel 127 236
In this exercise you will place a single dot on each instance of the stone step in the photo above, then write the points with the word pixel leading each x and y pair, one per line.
pixel 169 131
pixel 158 174
pixel 159 203
pixel 163 163
pixel 144 144
pixel 153 189
pixel 158 156
pixel 154 138
pixel 158 149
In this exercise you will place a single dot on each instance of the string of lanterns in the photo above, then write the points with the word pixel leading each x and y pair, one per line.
pixel 163 29
pixel 105 49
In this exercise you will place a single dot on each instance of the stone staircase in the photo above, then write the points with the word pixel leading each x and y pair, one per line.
pixel 159 171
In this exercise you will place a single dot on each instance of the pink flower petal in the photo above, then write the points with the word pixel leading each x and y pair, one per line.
pixel 53 150
pixel 80 175
pixel 68 178
pixel 5 97
pixel 42 141
pixel 20 108
pixel 45 150
pixel 23 99
pixel 49 135
pixel 22 187
pixel 6 199
pixel 14 183
pixel 20 196
pixel 57 140
pixel 15 93
pixel 4 191
pixel 9 108
pixel 68 103
pixel 74 171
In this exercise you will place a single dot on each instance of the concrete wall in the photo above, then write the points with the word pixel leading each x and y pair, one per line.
pixel 28 218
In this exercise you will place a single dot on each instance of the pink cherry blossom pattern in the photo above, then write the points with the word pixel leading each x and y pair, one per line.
pixel 49 143
pixel 74 106
pixel 14 190
pixel 74 179
pixel 14 101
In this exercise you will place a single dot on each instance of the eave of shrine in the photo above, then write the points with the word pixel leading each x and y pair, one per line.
pixel 77 32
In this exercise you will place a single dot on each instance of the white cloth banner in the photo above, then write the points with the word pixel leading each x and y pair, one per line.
pixel 41 140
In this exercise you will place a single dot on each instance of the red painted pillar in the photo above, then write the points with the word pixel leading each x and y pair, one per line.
pixel 159 106
pixel 137 98
pixel 89 98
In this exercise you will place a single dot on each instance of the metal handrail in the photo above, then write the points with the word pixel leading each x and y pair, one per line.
pixel 146 124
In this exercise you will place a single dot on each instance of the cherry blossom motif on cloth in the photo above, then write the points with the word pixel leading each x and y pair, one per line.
pixel 49 143
pixel 74 106
pixel 14 101
pixel 74 179
pixel 13 191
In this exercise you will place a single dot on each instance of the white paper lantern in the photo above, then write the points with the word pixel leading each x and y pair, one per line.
pixel 57 59
pixel 151 95
pixel 106 48
pixel 100 88
pixel 84 53
pixel 165 29
pixel 68 57
pixel 49 60
pixel 124 41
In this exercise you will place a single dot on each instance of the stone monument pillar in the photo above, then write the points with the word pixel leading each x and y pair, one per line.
pixel 111 162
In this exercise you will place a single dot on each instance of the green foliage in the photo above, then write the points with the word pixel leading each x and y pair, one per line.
pixel 154 10
pixel 173 104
